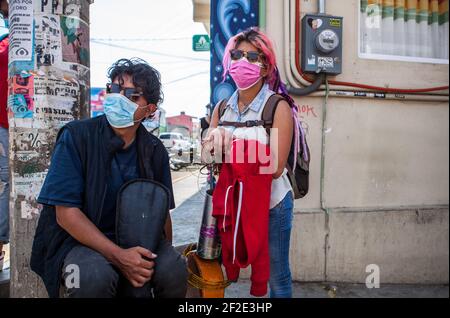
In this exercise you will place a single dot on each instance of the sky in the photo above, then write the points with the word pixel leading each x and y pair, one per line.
pixel 159 32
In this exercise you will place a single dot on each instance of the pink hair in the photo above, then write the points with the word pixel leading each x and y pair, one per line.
pixel 259 40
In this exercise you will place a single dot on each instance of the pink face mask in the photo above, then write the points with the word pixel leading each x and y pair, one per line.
pixel 245 74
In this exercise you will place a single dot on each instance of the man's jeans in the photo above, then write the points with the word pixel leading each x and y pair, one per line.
pixel 4 186
pixel 280 223
pixel 98 278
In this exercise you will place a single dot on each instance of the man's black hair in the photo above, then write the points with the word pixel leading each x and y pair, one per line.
pixel 143 76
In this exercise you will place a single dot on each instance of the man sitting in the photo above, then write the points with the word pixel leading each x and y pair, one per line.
pixel 92 159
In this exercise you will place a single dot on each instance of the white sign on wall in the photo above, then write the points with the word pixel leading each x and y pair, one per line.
pixel 20 30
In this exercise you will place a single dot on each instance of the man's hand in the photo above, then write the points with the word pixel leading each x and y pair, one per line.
pixel 133 265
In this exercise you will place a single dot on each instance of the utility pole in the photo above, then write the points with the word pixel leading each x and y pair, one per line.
pixel 49 83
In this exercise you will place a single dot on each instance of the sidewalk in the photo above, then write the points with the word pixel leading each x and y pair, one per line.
pixel 345 290
pixel 187 216
pixel 186 219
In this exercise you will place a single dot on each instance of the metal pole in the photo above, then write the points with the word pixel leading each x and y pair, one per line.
pixel 321 6
pixel 49 86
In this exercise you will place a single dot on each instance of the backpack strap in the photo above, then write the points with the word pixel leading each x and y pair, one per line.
pixel 222 107
pixel 268 114
pixel 293 182
pixel 248 123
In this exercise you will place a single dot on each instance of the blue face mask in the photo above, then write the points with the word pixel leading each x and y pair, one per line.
pixel 119 110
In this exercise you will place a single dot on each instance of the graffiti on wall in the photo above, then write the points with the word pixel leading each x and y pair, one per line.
pixel 228 17
pixel 75 40
pixel 20 99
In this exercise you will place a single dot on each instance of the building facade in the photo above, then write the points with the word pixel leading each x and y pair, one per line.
pixel 379 185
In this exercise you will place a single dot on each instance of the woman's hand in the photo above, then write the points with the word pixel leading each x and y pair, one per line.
pixel 216 144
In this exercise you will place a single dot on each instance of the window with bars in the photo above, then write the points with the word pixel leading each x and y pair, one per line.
pixel 410 30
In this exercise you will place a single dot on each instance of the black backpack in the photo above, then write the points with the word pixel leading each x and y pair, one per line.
pixel 299 176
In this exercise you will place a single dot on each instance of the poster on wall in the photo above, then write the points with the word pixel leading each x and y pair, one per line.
pixel 31 150
pixel 48 40
pixel 75 40
pixel 31 156
pixel 27 189
pixel 48 87
pixel 20 99
pixel 74 8
pixel 55 87
pixel 54 111
pixel 228 17
pixel 76 71
pixel 21 34
pixel 48 6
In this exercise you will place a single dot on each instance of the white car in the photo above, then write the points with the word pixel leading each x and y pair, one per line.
pixel 175 140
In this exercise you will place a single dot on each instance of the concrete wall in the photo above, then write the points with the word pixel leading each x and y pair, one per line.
pixel 385 171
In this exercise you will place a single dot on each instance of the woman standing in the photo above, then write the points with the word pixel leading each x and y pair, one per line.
pixel 250 60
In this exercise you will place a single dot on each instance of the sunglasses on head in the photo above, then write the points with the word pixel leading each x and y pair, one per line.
pixel 252 56
pixel 131 93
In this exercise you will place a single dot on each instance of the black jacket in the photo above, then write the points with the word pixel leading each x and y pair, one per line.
pixel 96 144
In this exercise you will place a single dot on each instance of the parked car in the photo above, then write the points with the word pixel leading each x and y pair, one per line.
pixel 175 140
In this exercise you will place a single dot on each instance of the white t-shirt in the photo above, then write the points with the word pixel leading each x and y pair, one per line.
pixel 280 186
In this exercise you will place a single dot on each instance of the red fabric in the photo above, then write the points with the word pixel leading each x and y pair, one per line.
pixel 4 82
pixel 252 238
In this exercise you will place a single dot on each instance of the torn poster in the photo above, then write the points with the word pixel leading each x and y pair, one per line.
pixel 21 34
pixel 48 40
pixel 75 40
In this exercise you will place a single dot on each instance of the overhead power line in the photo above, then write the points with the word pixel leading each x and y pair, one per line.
pixel 139 39
pixel 149 51
pixel 186 77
